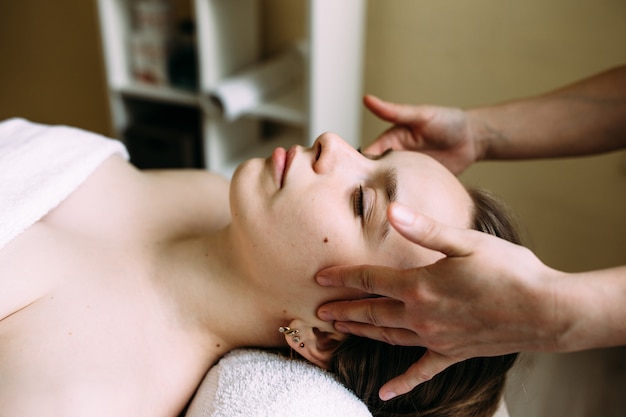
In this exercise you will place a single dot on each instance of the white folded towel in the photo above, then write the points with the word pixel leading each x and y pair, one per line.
pixel 255 383
pixel 40 166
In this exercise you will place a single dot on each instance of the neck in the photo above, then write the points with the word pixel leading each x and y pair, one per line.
pixel 219 296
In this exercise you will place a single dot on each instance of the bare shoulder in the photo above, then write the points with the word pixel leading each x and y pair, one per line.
pixel 189 179
pixel 73 288
pixel 168 203
pixel 195 197
pixel 177 200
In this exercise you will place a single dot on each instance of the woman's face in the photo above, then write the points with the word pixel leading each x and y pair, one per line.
pixel 300 211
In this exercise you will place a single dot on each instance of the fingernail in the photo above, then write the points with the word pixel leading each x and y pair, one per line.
pixel 388 395
pixel 324 315
pixel 323 280
pixel 402 215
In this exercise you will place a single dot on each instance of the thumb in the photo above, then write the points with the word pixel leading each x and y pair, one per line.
pixel 430 233
pixel 421 371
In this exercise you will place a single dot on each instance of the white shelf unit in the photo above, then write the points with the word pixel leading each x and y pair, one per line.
pixel 228 41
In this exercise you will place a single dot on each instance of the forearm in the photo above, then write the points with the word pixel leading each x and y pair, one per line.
pixel 587 117
pixel 592 306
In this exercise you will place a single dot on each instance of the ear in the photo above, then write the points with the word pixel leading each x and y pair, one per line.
pixel 315 344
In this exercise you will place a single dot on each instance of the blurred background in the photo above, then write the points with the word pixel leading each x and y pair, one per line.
pixel 447 52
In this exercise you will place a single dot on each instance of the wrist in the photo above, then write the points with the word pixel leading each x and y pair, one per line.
pixel 592 309
pixel 547 313
pixel 561 307
pixel 483 135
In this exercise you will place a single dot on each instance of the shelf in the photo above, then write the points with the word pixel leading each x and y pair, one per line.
pixel 288 107
pixel 164 94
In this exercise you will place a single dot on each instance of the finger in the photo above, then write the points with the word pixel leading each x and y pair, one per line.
pixel 392 336
pixel 373 279
pixel 423 370
pixel 431 234
pixel 396 137
pixel 397 113
pixel 380 145
pixel 382 109
pixel 383 311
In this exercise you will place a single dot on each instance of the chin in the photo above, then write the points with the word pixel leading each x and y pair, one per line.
pixel 248 173
pixel 242 168
pixel 246 186
pixel 238 181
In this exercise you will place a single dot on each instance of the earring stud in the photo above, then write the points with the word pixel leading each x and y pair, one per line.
pixel 288 331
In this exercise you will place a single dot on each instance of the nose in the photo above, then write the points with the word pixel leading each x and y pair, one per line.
pixel 329 148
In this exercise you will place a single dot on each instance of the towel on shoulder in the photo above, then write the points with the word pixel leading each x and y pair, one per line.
pixel 40 166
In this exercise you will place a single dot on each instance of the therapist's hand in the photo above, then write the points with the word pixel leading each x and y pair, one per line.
pixel 441 132
pixel 486 297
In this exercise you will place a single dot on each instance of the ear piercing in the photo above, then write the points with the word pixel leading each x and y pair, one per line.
pixel 288 331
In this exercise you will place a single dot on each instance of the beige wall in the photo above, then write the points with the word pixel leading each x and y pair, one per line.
pixel 465 53
pixel 453 52
pixel 51 68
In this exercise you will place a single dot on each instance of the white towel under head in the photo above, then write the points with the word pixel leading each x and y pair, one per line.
pixel 255 383
pixel 40 166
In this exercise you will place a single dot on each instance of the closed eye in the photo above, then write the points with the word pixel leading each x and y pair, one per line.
pixel 366 203
pixel 358 202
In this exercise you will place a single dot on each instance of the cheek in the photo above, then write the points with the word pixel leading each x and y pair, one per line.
pixel 321 236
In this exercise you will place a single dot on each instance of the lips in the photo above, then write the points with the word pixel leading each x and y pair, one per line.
pixel 281 160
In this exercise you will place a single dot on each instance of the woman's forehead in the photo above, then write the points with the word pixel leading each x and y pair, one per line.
pixel 427 186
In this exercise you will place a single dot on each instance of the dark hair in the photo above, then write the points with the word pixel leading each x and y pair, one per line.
pixel 471 388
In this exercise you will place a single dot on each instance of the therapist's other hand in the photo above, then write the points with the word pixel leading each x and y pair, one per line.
pixel 441 132
pixel 486 297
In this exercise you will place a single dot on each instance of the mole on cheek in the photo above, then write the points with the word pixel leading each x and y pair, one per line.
pixel 325 240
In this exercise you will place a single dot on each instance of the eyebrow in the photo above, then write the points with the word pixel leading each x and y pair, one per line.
pixel 390 185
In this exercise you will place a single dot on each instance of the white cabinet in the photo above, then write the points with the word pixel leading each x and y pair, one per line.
pixel 173 118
